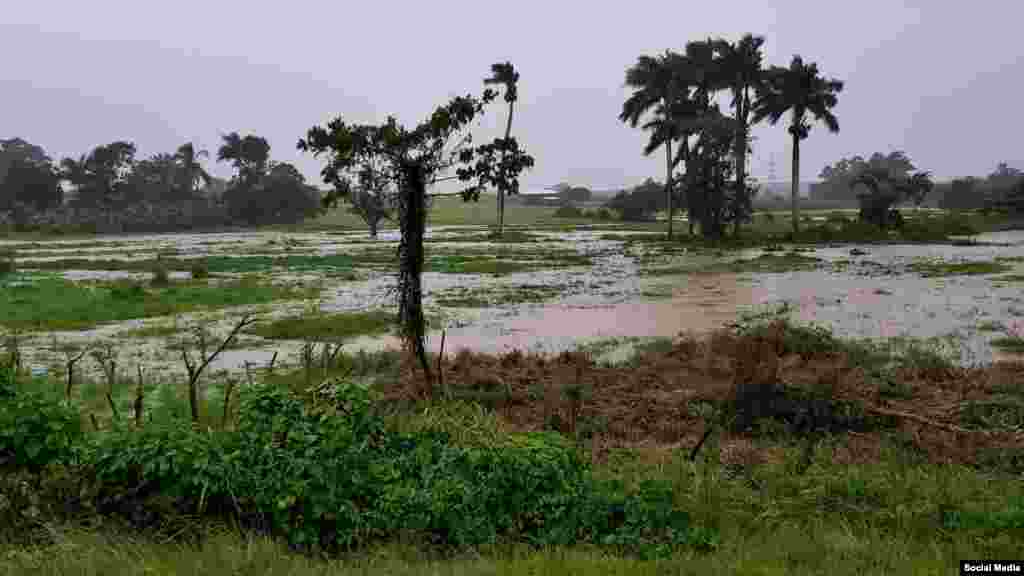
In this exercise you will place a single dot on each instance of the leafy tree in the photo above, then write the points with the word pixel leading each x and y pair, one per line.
pixel 740 65
pixel 799 90
pixel 280 195
pixel 569 193
pixel 838 177
pixel 708 174
pixel 102 176
pixel 249 156
pixel 413 159
pixel 640 203
pixel 887 188
pixel 153 179
pixel 505 74
pixel 27 176
pixel 369 190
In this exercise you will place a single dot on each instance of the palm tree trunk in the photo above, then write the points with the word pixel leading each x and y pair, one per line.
pixel 795 184
pixel 741 162
pixel 668 184
pixel 501 190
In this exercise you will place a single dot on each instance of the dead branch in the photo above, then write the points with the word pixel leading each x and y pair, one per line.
pixel 195 371
pixel 138 399
pixel 69 363
pixel 440 372
pixel 922 420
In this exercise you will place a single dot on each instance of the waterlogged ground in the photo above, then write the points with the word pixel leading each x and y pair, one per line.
pixel 554 290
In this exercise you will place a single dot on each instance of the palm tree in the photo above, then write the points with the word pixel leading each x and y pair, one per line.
pixel 505 74
pixel 741 65
pixel 800 90
pixel 248 155
pixel 194 174
pixel 658 88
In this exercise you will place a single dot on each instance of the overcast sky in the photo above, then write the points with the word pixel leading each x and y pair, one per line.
pixel 941 80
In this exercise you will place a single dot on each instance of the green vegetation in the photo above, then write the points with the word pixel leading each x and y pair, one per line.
pixel 1010 343
pixel 765 263
pixel 326 327
pixel 452 486
pixel 55 304
pixel 502 296
pixel 7 265
pixel 932 268
pixel 222 264
pixel 991 326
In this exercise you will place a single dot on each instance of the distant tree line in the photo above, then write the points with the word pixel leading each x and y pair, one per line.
pixel 1003 188
pixel 846 180
pixel 110 179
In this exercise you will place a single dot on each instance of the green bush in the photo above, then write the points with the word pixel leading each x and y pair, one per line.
pixel 35 430
pixel 568 211
pixel 7 265
pixel 200 270
pixel 325 471
pixel 161 277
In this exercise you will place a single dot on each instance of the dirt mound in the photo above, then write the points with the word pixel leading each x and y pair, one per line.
pixel 667 398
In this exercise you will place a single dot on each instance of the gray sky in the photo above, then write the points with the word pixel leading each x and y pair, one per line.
pixel 941 80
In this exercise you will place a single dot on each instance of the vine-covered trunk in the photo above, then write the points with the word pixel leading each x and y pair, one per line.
pixel 412 214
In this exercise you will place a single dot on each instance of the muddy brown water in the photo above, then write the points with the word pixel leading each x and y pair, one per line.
pixel 872 297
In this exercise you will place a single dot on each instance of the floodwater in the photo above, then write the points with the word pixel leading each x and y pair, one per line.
pixel 867 296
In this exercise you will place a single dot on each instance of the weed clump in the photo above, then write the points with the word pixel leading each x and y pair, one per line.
pixel 161 277
pixel 200 270
pixel 7 265
pixel 568 211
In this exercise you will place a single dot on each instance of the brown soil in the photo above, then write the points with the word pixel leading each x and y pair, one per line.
pixel 652 404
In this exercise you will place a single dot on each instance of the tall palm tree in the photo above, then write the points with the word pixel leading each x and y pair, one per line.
pixel 801 90
pixel 741 69
pixel 193 172
pixel 505 74
pixel 657 87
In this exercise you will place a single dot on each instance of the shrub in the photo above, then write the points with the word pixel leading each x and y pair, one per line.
pixel 7 265
pixel 35 430
pixel 161 277
pixel 568 211
pixel 200 270
pixel 326 471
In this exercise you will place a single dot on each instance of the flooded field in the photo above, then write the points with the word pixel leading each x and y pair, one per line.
pixel 552 292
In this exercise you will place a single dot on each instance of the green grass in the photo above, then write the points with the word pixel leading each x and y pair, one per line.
pixel 221 264
pixel 498 296
pixel 896 516
pixel 933 268
pixel 327 326
pixel 766 263
pixel 991 326
pixel 448 211
pixel 825 548
pixel 54 304
pixel 1009 343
